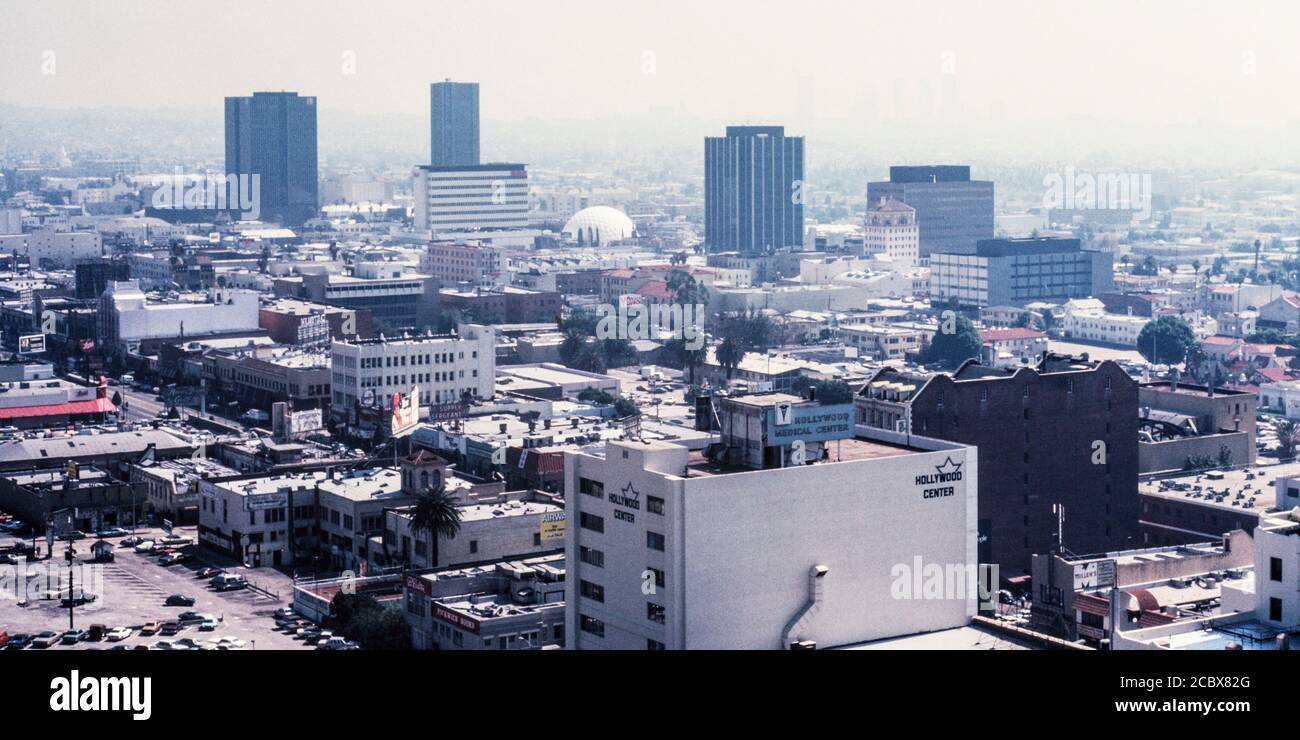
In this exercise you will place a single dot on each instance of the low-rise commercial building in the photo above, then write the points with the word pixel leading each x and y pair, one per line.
pixel 508 605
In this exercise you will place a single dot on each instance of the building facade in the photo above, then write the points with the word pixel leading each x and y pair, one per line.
pixel 471 198
pixel 953 212
pixel 664 548
pixel 1061 434
pixel 1013 272
pixel 446 367
pixel 273 135
pixel 453 124
pixel 753 190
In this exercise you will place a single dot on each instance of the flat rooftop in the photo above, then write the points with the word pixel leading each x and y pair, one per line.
pixel 844 450
pixel 1247 490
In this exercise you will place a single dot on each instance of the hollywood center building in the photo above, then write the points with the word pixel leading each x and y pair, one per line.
pixel 748 548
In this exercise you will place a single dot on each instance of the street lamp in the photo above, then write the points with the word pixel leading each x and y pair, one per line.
pixel 70 555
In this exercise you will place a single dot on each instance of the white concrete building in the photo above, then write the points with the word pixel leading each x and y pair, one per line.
pixel 444 366
pixel 127 316
pixel 259 520
pixel 1283 397
pixel 890 228
pixel 667 550
pixel 54 249
pixel 471 198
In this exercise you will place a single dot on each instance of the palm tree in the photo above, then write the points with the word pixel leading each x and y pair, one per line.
pixel 729 354
pixel 1288 436
pixel 435 514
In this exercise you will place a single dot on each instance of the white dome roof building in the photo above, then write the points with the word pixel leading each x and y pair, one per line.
pixel 599 225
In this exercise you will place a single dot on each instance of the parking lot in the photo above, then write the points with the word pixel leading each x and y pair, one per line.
pixel 131 590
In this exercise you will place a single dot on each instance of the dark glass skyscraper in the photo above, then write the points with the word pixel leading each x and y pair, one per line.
pixel 753 190
pixel 952 210
pixel 453 124
pixel 273 135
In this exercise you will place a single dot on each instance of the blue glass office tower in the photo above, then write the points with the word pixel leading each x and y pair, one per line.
pixel 273 135
pixel 753 190
pixel 453 124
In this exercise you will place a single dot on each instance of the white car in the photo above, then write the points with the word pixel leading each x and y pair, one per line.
pixel 145 546
pixel 117 635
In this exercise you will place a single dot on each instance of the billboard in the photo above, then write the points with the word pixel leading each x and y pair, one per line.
pixel 1097 574
pixel 553 526
pixel 787 422
pixel 446 411
pixel 31 344
pixel 406 412
pixel 301 422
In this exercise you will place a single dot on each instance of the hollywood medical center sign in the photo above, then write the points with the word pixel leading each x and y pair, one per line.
pixel 787 423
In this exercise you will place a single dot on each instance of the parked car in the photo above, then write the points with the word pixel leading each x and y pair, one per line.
pixel 151 628
pixel 18 641
pixel 161 645
pixel 175 540
pixel 96 632
pixel 159 550
pixel 171 628
pixel 208 572
pixel 229 582
pixel 112 532
pixel 333 643
pixel 4 638
pixel 285 612
pixel 171 558
pixel 179 600
pixel 186 643
pixel 131 541
pixel 208 625
pixel 45 639
pixel 70 536
pixel 145 547
pixel 118 634
pixel 72 637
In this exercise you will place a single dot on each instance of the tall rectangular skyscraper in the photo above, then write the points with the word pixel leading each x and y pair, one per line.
pixel 273 135
pixel 753 190
pixel 453 124
pixel 952 210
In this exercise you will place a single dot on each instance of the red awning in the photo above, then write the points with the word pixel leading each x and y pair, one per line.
pixel 96 406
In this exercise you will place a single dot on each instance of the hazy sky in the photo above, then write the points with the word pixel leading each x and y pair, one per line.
pixel 1096 69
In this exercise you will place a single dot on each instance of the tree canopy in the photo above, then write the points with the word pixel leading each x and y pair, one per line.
pixel 1166 341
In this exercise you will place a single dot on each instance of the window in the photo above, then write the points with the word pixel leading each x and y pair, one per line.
pixel 654 541
pixel 473 547
pixel 654 612
pixel 591 557
pixel 591 487
pixel 591 625
pixel 659 576
pixel 1274 609
pixel 654 504
pixel 1275 569
pixel 593 591
pixel 591 521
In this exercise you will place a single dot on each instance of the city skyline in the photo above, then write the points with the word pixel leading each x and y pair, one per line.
pixel 1006 81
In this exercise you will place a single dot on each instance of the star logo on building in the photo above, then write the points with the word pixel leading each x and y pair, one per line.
pixel 948 467
pixel 630 493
